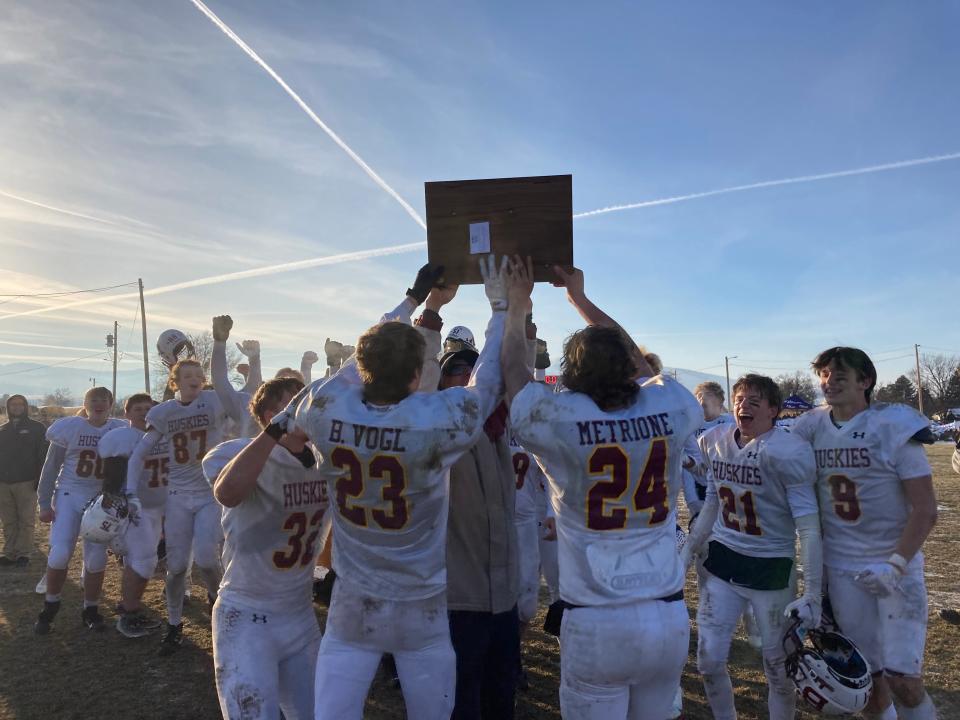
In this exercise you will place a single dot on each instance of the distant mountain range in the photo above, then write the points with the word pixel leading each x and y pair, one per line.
pixel 36 381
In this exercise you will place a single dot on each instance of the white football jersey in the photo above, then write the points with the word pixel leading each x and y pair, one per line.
pixel 724 419
pixel 614 479
pixel 272 538
pixel 121 443
pixel 530 481
pixel 82 466
pixel 192 430
pixel 751 483
pixel 387 469
pixel 860 469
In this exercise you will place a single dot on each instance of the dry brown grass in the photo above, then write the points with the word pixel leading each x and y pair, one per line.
pixel 75 674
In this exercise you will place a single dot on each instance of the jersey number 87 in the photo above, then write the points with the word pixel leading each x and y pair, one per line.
pixel 650 494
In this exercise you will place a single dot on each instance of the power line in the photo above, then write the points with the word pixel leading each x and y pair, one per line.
pixel 65 292
pixel 44 367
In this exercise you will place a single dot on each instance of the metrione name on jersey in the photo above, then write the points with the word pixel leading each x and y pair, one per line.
pixel 861 467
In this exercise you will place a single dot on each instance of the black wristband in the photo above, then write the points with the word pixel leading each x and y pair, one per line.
pixel 274 431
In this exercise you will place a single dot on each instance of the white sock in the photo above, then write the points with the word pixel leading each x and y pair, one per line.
pixel 52 598
pixel 924 711
pixel 90 603
pixel 174 591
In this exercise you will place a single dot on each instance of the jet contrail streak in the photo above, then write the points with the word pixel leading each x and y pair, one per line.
pixel 773 183
pixel 62 211
pixel 306 108
pixel 229 277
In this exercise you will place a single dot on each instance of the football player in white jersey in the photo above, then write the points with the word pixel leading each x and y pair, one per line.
pixel 386 452
pixel 265 633
pixel 877 506
pixel 710 396
pixel 761 494
pixel 192 423
pixel 611 449
pixel 235 402
pixel 143 533
pixel 72 475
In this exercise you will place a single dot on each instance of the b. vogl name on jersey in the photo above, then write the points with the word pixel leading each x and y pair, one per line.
pixel 600 432
pixel 372 438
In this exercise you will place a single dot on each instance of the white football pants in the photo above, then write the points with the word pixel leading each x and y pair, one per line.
pixel 68 504
pixel 360 628
pixel 622 661
pixel 264 662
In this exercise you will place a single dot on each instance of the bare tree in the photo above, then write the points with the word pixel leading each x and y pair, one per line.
pixel 61 397
pixel 800 384
pixel 937 370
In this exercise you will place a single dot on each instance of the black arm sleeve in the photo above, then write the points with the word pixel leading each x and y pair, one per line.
pixel 114 474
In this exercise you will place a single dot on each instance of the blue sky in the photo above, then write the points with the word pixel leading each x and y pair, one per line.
pixel 145 115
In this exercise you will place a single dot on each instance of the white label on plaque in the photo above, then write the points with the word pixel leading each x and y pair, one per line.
pixel 479 238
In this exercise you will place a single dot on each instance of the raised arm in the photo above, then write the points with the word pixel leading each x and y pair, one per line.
pixel 135 466
pixel 232 400
pixel 307 362
pixel 516 373
pixel 251 349
pixel 592 315
pixel 486 380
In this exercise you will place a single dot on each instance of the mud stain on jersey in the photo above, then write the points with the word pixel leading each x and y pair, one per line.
pixel 434 457
pixel 248 701
pixel 320 402
pixel 471 414
pixel 230 619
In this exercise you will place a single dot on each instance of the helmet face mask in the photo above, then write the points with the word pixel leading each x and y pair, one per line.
pixel 830 674
pixel 105 518
pixel 171 345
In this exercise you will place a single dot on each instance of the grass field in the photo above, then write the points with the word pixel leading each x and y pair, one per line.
pixel 73 673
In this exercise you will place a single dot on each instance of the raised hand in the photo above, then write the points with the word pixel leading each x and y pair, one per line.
pixel 520 282
pixel 572 281
pixel 440 296
pixel 495 280
pixel 334 352
pixel 249 348
pixel 309 358
pixel 427 278
pixel 222 325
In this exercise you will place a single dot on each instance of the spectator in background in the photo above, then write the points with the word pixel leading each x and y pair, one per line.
pixel 23 447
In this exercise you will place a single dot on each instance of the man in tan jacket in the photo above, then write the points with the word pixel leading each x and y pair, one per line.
pixel 482 569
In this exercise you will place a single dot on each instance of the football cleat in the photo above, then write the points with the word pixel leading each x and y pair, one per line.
pixel 92 618
pixel 135 625
pixel 46 616
pixel 830 674
pixel 171 641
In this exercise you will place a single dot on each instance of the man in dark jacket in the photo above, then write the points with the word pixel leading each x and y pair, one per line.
pixel 23 446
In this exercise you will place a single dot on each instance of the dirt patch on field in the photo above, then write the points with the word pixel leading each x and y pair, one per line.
pixel 76 674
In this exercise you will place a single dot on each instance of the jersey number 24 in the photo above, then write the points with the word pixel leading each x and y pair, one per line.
pixel 650 493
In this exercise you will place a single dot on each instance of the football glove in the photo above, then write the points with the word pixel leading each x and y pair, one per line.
pixel 881 579
pixel 495 280
pixel 807 608
pixel 427 277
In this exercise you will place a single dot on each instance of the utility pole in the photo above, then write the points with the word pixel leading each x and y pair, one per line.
pixel 916 352
pixel 93 382
pixel 143 327
pixel 112 343
pixel 726 361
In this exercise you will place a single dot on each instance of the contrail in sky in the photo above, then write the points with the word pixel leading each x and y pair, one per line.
pixel 229 277
pixel 773 183
pixel 306 108
pixel 62 211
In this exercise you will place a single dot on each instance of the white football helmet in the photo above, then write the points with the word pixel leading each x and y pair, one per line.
pixel 830 674
pixel 458 339
pixel 171 344
pixel 105 518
